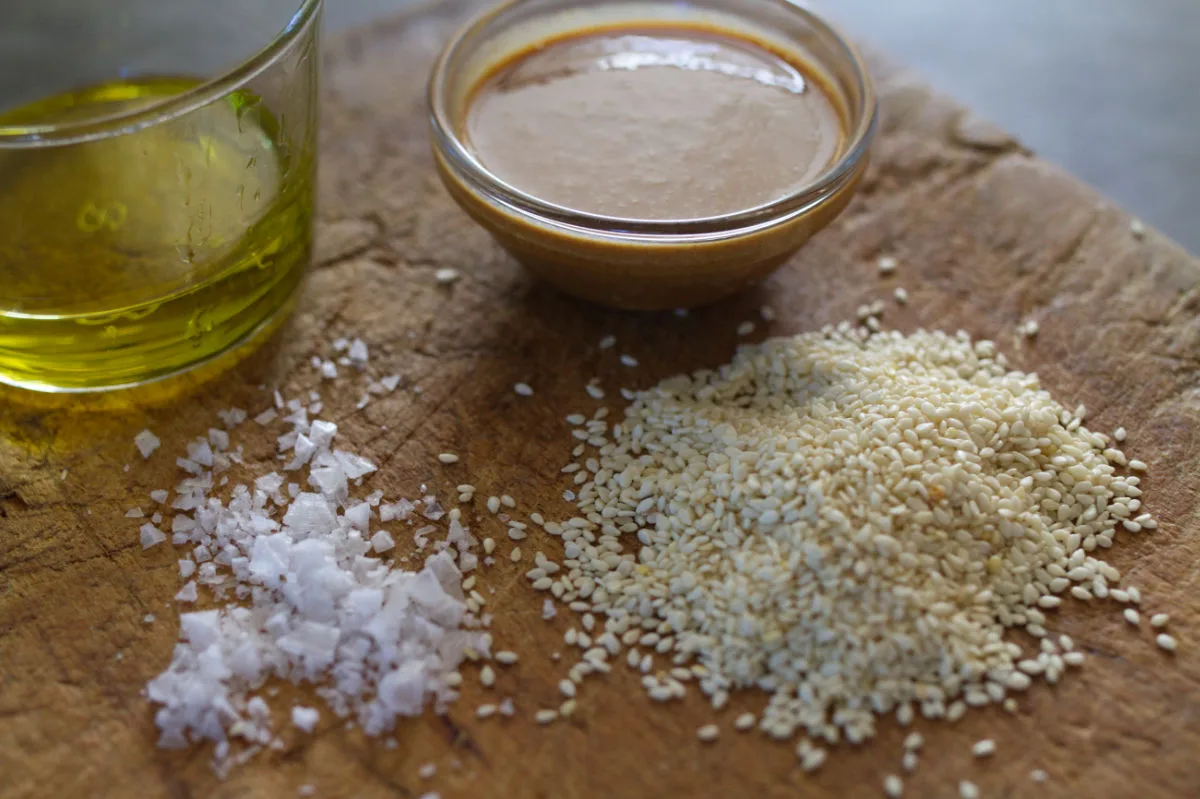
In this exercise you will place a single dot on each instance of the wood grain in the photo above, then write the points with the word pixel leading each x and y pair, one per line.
pixel 986 236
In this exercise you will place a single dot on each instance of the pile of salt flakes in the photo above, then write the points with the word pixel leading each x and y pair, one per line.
pixel 295 557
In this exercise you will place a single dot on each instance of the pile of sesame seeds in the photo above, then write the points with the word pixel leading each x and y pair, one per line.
pixel 848 520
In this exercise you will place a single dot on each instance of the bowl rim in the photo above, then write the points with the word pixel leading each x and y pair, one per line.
pixel 29 136
pixel 481 181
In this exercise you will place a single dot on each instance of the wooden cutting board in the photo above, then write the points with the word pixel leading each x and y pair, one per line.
pixel 986 236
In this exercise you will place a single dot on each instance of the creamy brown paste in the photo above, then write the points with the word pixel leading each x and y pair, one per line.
pixel 656 124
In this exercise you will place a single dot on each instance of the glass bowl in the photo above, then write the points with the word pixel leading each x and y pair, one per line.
pixel 637 263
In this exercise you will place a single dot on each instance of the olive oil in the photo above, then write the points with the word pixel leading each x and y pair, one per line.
pixel 132 256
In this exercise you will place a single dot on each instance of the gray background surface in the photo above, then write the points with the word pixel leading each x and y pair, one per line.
pixel 1110 89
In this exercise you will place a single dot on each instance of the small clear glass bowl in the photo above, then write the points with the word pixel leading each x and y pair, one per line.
pixel 634 263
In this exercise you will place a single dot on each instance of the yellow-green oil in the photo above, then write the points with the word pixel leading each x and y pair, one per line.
pixel 134 256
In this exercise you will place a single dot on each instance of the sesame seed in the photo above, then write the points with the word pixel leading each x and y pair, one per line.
pixel 1159 620
pixel 893 786
pixel 493 504
pixel 901 295
pixel 813 759
pixel 1132 616
pixel 507 501
pixel 567 688
pixel 967 790
pixel 485 711
pixel 448 457
pixel 515 555
pixel 887 265
pixel 745 328
pixel 487 676
pixel 1137 228
pixel 505 657
pixel 608 342
pixel 629 360
pixel 1119 434
pixel 523 389
pixel 1166 642
pixel 708 733
pixel 744 722
pixel 545 716
pixel 984 748
pixel 1037 775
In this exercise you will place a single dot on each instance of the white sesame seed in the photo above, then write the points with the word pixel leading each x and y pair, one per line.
pixel 567 688
pixel 1166 642
pixel 1137 228
pixel 485 711
pixel 708 733
pixel 745 328
pixel 901 295
pixel 523 389
pixel 1159 620
pixel 1132 616
pixel 629 360
pixel 505 657
pixel 887 265
pixel 893 786
pixel 1037 775
pixel 813 759
pixel 608 342
pixel 967 790
pixel 545 716
pixel 487 676
pixel 984 748
pixel 744 722
pixel 515 555
pixel 448 457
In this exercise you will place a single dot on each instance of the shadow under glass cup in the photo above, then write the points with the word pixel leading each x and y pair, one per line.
pixel 157 171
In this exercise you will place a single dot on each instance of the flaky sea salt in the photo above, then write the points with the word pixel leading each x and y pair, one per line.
pixel 305 718
pixel 146 443
pixel 379 640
